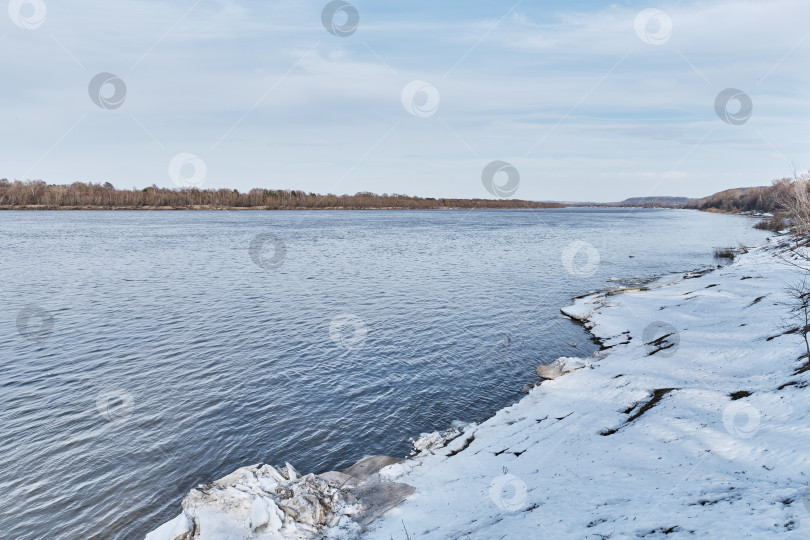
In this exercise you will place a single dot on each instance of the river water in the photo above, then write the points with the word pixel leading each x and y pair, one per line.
pixel 146 352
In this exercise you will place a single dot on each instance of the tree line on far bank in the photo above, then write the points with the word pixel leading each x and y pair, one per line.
pixel 752 199
pixel 788 199
pixel 38 194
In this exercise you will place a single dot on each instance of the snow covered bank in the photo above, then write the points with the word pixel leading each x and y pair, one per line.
pixel 693 422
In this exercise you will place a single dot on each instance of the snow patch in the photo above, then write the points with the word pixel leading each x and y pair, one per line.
pixel 706 439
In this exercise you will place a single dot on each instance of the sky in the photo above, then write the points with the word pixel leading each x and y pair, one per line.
pixel 583 100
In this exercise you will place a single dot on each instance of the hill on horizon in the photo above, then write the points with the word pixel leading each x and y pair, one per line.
pixel 670 201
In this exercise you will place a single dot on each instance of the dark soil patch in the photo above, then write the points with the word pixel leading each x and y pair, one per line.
pixel 661 344
pixel 756 301
pixel 803 368
pixel 739 395
pixel 657 396
pixel 464 446
pixel 797 384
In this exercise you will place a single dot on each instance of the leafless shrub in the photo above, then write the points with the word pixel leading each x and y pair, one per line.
pixel 798 304
pixel 774 224
pixel 724 253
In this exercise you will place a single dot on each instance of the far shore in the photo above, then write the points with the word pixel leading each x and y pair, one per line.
pixel 229 208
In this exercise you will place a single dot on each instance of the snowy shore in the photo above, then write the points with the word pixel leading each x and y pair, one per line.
pixel 691 422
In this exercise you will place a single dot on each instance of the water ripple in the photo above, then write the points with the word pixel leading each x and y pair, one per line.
pixel 174 359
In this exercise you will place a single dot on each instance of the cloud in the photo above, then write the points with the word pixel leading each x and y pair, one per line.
pixel 565 91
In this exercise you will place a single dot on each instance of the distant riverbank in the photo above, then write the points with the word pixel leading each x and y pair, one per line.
pixel 37 195
pixel 230 208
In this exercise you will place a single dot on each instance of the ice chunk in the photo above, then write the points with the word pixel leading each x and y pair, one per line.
pixel 179 528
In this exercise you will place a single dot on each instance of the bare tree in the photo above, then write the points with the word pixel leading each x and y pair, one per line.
pixel 799 305
pixel 796 203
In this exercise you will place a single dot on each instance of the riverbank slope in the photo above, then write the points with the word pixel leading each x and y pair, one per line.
pixel 692 422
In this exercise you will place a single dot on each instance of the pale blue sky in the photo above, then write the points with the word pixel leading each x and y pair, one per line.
pixel 567 92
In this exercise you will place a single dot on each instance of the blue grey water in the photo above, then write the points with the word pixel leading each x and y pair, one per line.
pixel 173 358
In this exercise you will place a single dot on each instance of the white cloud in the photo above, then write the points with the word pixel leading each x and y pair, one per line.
pixel 550 79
